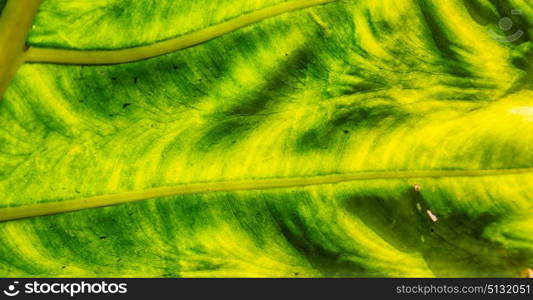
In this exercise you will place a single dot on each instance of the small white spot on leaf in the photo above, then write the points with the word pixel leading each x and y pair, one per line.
pixel 431 215
pixel 525 111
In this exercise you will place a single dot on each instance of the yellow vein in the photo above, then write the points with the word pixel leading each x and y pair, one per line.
pixel 105 57
pixel 41 209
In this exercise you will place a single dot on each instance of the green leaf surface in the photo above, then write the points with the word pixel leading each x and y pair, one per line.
pixel 345 139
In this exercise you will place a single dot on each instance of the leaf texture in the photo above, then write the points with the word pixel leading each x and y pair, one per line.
pixel 400 93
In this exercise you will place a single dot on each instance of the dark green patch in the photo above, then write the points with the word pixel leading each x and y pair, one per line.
pixel 2 4
pixel 396 220
pixel 457 245
pixel 452 244
pixel 330 262
pixel 480 13
pixel 442 41
pixel 225 131
pixel 335 129
pixel 280 82
pixel 251 110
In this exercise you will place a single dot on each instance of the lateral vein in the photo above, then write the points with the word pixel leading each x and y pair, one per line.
pixel 50 208
pixel 107 57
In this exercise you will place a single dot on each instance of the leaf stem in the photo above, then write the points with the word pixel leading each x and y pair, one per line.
pixel 15 23
pixel 106 57
pixel 49 208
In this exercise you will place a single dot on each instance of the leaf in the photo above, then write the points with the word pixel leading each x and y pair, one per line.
pixel 345 139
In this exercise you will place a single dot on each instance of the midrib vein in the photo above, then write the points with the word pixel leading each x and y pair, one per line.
pixel 41 209
pixel 15 22
pixel 106 57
